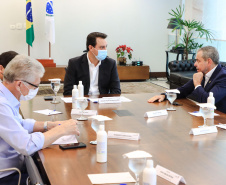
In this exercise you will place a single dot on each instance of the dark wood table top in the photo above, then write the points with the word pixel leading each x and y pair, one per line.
pixel 201 160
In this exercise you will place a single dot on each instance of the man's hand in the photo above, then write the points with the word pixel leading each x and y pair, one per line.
pixel 197 78
pixel 158 98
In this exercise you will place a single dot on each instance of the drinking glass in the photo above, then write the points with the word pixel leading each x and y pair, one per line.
pixel 205 112
pixel 137 165
pixel 171 96
pixel 95 126
pixel 82 104
pixel 55 85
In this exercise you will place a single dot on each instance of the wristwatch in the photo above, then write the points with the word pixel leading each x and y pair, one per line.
pixel 45 125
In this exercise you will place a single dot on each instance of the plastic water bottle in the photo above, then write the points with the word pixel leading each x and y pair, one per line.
pixel 80 89
pixel 101 145
pixel 149 174
pixel 211 100
pixel 74 97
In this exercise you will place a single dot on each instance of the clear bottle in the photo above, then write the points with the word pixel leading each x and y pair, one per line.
pixel 149 174
pixel 211 100
pixel 74 97
pixel 80 89
pixel 101 145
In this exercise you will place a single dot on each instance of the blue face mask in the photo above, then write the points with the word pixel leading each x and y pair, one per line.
pixel 102 54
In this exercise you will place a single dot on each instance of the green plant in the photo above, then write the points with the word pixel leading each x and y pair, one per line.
pixel 189 28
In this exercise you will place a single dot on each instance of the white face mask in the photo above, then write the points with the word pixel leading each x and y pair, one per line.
pixel 31 94
pixel 0 80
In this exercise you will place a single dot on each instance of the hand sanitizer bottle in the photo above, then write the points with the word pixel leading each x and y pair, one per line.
pixel 149 174
pixel 101 145
pixel 211 100
pixel 80 89
pixel 74 97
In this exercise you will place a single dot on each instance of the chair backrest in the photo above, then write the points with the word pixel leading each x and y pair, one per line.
pixel 34 175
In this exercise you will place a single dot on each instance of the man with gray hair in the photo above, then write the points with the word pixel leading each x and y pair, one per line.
pixel 210 77
pixel 19 137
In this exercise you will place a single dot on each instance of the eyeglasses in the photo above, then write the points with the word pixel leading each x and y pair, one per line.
pixel 36 86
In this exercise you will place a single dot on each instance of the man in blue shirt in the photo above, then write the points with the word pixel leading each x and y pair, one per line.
pixel 19 137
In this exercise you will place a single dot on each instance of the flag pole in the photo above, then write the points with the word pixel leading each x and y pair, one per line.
pixel 49 50
pixel 28 50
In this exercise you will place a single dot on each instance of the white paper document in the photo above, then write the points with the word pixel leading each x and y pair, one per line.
pixel 111 178
pixel 123 135
pixel 47 112
pixel 65 140
pixel 100 118
pixel 137 154
pixel 221 125
pixel 197 113
pixel 203 130
pixel 67 100
pixel 156 113
pixel 85 112
pixel 169 175
pixel 173 91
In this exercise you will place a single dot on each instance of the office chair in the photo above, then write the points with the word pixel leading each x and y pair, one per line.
pixel 11 169
pixel 33 173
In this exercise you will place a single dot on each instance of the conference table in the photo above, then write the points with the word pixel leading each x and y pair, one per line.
pixel 201 160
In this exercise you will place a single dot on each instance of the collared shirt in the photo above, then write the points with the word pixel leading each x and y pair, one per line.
pixel 94 77
pixel 208 75
pixel 16 137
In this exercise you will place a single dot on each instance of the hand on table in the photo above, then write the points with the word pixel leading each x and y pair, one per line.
pixel 158 98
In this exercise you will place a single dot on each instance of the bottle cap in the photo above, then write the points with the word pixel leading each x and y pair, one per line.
pixel 101 127
pixel 75 86
pixel 211 94
pixel 80 83
pixel 150 163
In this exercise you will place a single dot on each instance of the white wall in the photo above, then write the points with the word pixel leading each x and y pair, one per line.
pixel 140 24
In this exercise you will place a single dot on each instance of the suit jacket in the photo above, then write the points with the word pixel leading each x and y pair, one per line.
pixel 216 84
pixel 78 70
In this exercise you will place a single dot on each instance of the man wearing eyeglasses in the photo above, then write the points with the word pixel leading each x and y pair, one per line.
pixel 210 77
pixel 19 137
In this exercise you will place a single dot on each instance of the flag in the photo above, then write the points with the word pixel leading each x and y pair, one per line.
pixel 29 24
pixel 49 22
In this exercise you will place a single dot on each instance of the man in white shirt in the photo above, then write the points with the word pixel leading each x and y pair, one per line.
pixel 210 77
pixel 97 72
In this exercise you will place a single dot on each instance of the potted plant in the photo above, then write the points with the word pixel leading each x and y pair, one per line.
pixel 122 52
pixel 188 28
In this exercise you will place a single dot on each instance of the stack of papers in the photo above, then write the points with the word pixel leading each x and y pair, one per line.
pixel 100 118
pixel 47 112
pixel 137 154
pixel 111 178
pixel 65 140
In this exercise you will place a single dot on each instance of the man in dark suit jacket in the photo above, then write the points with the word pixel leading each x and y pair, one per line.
pixel 210 77
pixel 97 72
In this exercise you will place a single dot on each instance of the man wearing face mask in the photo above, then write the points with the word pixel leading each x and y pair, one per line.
pixel 97 72
pixel 5 58
pixel 18 136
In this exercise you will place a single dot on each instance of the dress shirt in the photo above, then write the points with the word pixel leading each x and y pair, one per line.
pixel 208 75
pixel 16 137
pixel 94 77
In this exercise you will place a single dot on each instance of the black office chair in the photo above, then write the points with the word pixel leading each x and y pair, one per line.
pixel 13 169
pixel 33 173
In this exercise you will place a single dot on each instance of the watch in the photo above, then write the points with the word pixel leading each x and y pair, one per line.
pixel 45 125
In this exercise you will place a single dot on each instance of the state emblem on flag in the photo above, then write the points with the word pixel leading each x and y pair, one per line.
pixel 49 8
